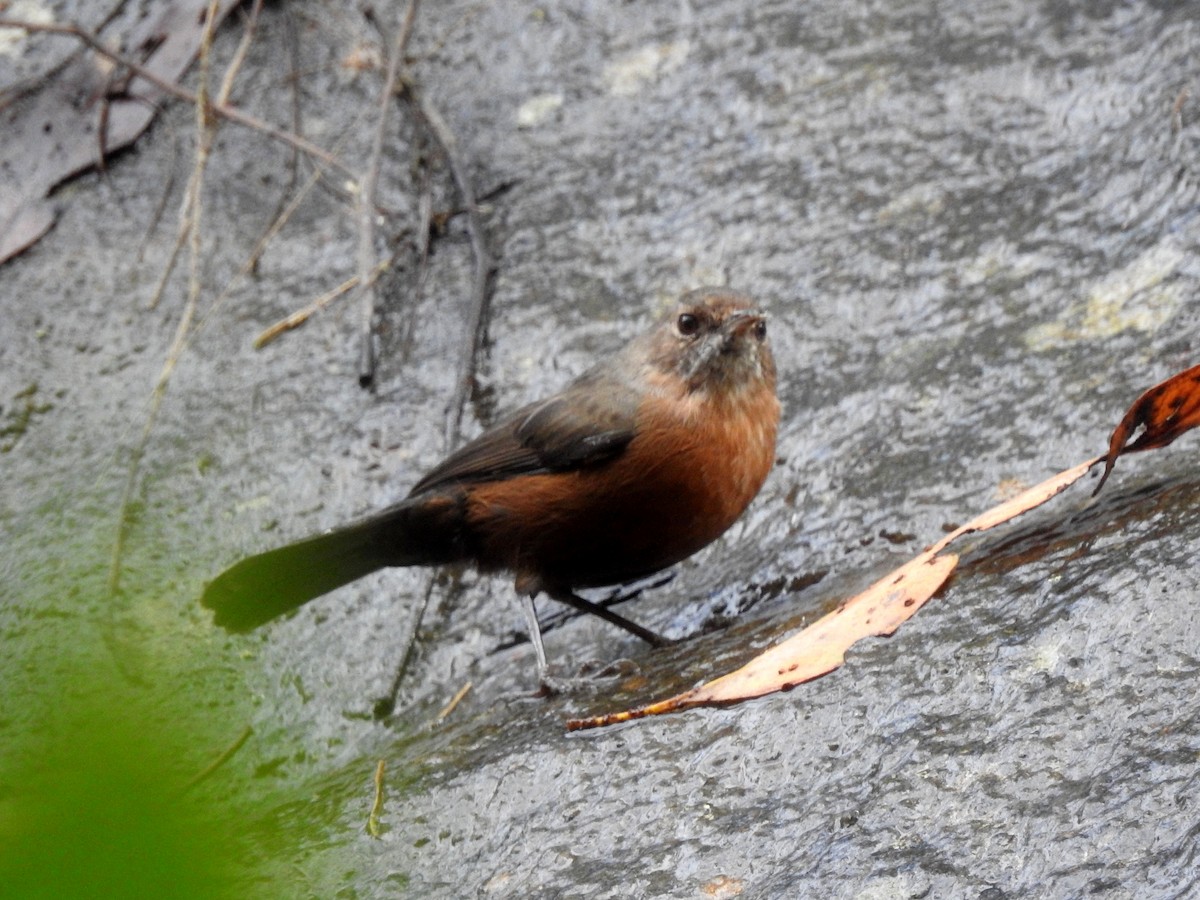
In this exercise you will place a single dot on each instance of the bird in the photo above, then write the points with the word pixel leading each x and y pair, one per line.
pixel 634 466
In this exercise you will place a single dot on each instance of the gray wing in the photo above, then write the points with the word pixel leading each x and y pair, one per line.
pixel 590 422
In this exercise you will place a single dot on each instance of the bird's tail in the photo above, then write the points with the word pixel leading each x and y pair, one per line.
pixel 259 588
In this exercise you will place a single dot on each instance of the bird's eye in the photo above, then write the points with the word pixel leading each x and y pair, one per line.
pixel 687 324
pixel 760 330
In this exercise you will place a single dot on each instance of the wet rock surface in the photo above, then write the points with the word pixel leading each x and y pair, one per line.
pixel 975 227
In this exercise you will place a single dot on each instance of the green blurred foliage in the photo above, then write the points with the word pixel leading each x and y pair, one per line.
pixel 95 804
pixel 113 708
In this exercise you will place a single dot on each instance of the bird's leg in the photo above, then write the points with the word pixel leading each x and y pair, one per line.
pixel 562 595
pixel 535 634
pixel 549 684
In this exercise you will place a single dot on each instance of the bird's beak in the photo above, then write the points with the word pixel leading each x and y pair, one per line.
pixel 739 322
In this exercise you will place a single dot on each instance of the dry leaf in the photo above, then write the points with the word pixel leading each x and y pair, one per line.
pixel 1166 411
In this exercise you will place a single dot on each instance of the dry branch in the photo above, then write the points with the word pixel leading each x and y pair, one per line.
pixel 366 200
pixel 482 291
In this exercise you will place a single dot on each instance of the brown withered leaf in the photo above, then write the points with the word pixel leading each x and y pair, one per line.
pixel 1165 411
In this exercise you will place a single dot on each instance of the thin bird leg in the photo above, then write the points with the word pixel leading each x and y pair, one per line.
pixel 535 634
pixel 587 606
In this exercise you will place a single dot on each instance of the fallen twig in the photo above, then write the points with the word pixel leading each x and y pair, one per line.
pixel 226 755
pixel 189 214
pixel 481 294
pixel 373 827
pixel 300 316
pixel 386 705
pixel 366 200
pixel 454 701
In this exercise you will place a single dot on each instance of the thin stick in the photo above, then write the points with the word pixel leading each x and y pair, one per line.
pixel 385 705
pixel 189 212
pixel 454 701
pixel 1181 100
pixel 373 827
pixel 424 235
pixel 366 200
pixel 239 55
pixel 226 755
pixel 481 295
pixel 224 111
pixel 300 316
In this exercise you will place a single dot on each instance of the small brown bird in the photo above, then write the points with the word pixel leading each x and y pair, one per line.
pixel 634 466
